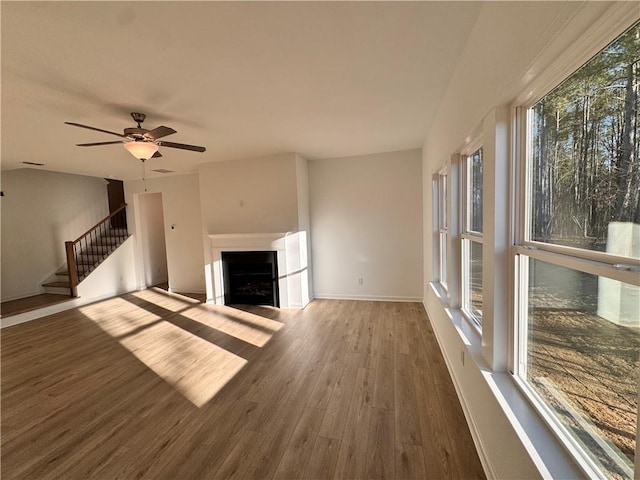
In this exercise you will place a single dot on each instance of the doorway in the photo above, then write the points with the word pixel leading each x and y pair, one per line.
pixel 115 195
pixel 152 238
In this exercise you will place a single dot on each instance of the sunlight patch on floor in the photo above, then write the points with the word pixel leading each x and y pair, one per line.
pixel 193 365
pixel 198 369
pixel 169 301
pixel 242 325
pixel 117 317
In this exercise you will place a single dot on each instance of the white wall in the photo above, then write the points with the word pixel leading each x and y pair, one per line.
pixel 304 225
pixel 152 232
pixel 510 44
pixel 302 182
pixel 181 206
pixel 257 195
pixel 114 276
pixel 366 221
pixel 40 211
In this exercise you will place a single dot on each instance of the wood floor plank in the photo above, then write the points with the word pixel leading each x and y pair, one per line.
pixel 381 445
pixel 358 339
pixel 338 407
pixel 273 370
pixel 327 384
pixel 384 393
pixel 123 389
pixel 458 431
pixel 273 440
pixel 353 449
pixel 407 417
pixel 410 462
pixel 300 447
pixel 370 338
pixel 323 459
pixel 235 464
pixel 438 451
pixel 206 452
pixel 401 335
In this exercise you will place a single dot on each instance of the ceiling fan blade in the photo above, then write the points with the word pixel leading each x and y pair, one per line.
pixel 156 155
pixel 97 143
pixel 160 132
pixel 182 146
pixel 94 128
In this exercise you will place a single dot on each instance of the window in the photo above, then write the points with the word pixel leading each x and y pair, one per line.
pixel 472 237
pixel 441 221
pixel 577 280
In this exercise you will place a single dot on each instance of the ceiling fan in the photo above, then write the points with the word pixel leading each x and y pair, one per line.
pixel 140 142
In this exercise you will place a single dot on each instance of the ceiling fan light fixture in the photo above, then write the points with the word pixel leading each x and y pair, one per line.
pixel 141 150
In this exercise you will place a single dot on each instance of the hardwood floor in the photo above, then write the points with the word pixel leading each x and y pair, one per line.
pixel 155 385
pixel 34 302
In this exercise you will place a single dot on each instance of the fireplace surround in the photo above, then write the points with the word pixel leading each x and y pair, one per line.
pixel 289 250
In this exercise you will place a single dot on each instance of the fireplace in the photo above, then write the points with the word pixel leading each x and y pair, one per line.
pixel 290 256
pixel 251 278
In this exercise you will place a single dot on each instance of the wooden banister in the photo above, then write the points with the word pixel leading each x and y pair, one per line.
pixel 72 268
pixel 101 222
pixel 86 248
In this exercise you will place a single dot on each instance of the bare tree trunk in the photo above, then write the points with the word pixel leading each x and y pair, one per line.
pixel 622 214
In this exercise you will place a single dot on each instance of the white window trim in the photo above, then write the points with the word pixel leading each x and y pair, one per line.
pixel 454 252
pixel 435 227
pixel 624 269
pixel 617 18
pixel 474 319
pixel 476 144
pixel 440 230
pixel 467 235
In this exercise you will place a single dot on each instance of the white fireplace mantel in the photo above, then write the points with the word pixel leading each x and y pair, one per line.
pixel 293 271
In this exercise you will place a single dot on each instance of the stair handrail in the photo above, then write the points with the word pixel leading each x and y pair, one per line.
pixel 74 249
pixel 101 222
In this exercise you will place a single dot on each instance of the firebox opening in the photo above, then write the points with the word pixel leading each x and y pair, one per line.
pixel 251 278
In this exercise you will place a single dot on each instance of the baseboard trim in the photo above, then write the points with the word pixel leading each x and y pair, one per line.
pixel 21 296
pixel 12 320
pixel 192 291
pixel 369 298
pixel 19 318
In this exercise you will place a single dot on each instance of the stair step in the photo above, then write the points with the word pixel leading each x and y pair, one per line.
pixel 61 288
pixel 107 238
pixel 56 284
pixel 107 241
pixel 92 256
pixel 65 274
pixel 98 249
pixel 88 261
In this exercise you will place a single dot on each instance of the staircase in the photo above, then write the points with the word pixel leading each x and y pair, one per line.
pixel 88 251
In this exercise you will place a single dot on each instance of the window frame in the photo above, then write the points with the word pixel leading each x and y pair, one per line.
pixel 467 235
pixel 602 264
pixel 441 229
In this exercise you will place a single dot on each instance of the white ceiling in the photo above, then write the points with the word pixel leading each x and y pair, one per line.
pixel 244 79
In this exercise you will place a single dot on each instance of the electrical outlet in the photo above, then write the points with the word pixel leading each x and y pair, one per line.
pixel 360 281
pixel 462 357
